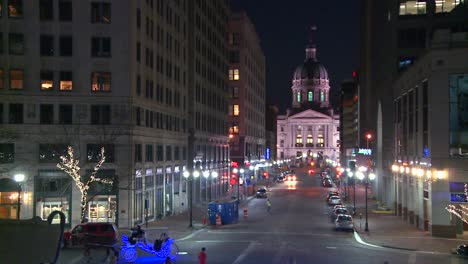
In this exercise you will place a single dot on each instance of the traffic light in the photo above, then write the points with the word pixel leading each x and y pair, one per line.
pixel 233 179
pixel 266 175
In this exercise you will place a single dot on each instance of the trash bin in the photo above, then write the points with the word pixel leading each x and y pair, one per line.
pixel 228 211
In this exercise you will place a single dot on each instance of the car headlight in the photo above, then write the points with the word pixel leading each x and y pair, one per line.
pixel 294 178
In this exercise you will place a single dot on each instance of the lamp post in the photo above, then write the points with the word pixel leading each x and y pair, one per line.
pixel 241 172
pixel 19 178
pixel 190 176
pixel 236 172
pixel 351 174
pixel 368 137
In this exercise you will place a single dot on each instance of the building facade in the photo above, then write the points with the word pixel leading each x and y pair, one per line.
pixel 349 117
pixel 309 130
pixel 76 74
pixel 271 149
pixel 431 104
pixel 395 34
pixel 246 91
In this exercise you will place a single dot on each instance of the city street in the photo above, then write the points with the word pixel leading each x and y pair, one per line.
pixel 298 230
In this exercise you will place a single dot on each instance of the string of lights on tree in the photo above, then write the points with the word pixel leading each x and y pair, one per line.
pixel 69 164
pixel 462 211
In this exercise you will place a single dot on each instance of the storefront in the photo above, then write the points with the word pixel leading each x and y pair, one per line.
pixel 168 191
pixel 102 198
pixel 160 193
pixel 52 192
pixel 9 194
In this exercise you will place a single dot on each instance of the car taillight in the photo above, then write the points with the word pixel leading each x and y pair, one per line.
pixel 294 178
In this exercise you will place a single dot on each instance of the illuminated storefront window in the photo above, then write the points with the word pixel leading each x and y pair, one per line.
pixel 417 7
pixel 443 6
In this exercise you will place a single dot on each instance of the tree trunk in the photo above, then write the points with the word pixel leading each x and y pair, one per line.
pixel 84 204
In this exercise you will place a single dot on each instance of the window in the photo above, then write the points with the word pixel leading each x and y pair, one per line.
pixel 101 13
pixel 100 81
pixel 322 96
pixel 47 80
pixel 15 8
pixel 66 82
pixel 234 38
pixel 176 153
pixel 138 116
pixel 66 46
pixel 46 9
pixel 138 85
pixel 47 45
pixel 51 153
pixel 298 96
pixel 310 139
pixel 65 10
pixel 100 47
pixel 299 139
pixel 160 153
pixel 149 153
pixel 2 78
pixel 168 153
pixel 66 114
pixel 234 129
pixel 1 33
pixel 234 74
pixel 458 114
pixel 234 56
pixel 16 43
pixel 138 18
pixel 100 114
pixel 16 79
pixel 93 152
pixel 46 116
pixel 443 6
pixel 413 7
pixel 15 115
pixel 7 153
pixel 320 141
pixel 138 52
pixel 235 110
pixel 310 96
pixel 235 92
pixel 137 152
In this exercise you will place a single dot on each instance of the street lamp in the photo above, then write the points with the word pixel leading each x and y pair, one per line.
pixel 351 174
pixel 370 177
pixel 190 177
pixel 19 178
pixel 368 137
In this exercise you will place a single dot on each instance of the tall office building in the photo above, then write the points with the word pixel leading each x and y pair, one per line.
pixel 349 117
pixel 403 29
pixel 208 96
pixel 77 74
pixel 246 91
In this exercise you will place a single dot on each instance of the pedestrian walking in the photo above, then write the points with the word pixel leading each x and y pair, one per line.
pixel 202 256
pixel 268 205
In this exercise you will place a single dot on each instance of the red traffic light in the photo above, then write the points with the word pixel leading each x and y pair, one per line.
pixel 234 164
pixel 265 174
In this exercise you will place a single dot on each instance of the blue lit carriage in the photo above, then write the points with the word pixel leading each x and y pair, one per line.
pixel 129 252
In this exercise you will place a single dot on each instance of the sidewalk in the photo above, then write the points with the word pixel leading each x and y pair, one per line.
pixel 388 230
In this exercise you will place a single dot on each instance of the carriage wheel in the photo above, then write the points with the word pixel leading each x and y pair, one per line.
pixel 174 250
pixel 129 254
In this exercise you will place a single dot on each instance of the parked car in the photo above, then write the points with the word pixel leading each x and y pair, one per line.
pixel 334 200
pixel 462 250
pixel 261 193
pixel 337 212
pixel 99 233
pixel 338 206
pixel 327 183
pixel 344 222
pixel 332 193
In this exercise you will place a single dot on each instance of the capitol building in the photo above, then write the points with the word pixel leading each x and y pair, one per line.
pixel 310 128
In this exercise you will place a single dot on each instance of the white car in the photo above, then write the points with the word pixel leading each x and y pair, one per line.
pixel 290 177
pixel 334 200
pixel 344 222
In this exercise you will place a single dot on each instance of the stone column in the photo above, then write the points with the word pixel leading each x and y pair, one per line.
pixel 440 224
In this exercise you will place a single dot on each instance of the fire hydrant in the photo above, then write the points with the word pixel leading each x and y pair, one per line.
pixel 204 220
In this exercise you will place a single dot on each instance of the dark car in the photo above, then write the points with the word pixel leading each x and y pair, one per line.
pixel 280 179
pixel 462 250
pixel 97 233
pixel 327 183
pixel 261 193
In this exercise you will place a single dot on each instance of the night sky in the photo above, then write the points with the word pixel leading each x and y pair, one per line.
pixel 283 28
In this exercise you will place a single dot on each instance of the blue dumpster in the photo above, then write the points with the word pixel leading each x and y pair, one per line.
pixel 228 211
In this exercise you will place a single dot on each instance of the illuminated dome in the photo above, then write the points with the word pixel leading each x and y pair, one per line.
pixel 311 69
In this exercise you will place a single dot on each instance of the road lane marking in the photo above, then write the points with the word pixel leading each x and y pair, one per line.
pixel 330 247
pixel 222 241
pixel 269 233
pixel 244 253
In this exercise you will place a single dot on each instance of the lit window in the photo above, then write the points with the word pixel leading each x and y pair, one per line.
pixel 310 96
pixel 47 80
pixel 234 129
pixel 310 139
pixel 16 79
pixel 100 81
pixel 443 6
pixel 15 8
pixel 413 7
pixel 101 13
pixel 235 110
pixel 234 74
pixel 66 81
pixel 299 139
pixel 322 96
pixel 298 96
pixel 320 141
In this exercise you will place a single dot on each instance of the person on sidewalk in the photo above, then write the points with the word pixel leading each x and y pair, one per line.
pixel 268 205
pixel 202 256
